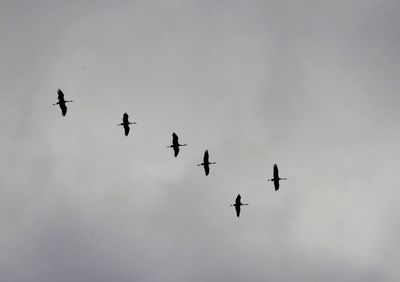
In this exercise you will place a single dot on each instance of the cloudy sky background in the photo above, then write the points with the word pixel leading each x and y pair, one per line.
pixel 310 85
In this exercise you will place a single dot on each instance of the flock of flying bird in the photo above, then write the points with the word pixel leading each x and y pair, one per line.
pixel 175 146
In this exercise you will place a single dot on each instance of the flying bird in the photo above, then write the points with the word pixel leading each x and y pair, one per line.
pixel 276 177
pixel 206 163
pixel 125 123
pixel 175 144
pixel 62 102
pixel 237 205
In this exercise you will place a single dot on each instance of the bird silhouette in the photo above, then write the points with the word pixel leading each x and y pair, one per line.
pixel 125 123
pixel 237 205
pixel 206 163
pixel 276 177
pixel 175 144
pixel 62 102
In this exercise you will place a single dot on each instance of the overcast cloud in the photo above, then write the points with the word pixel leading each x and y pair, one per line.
pixel 310 85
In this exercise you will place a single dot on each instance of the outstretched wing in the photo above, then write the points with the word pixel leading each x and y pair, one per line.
pixel 205 159
pixel 237 208
pixel 174 139
pixel 125 119
pixel 276 171
pixel 276 184
pixel 206 168
pixel 237 201
pixel 126 127
pixel 176 150
pixel 63 109
pixel 60 94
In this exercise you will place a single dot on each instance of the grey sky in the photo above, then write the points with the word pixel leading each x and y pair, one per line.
pixel 310 85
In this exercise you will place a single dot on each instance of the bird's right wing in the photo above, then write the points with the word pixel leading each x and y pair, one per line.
pixel 176 151
pixel 126 127
pixel 63 109
pixel 206 169
pixel 237 208
pixel 276 184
